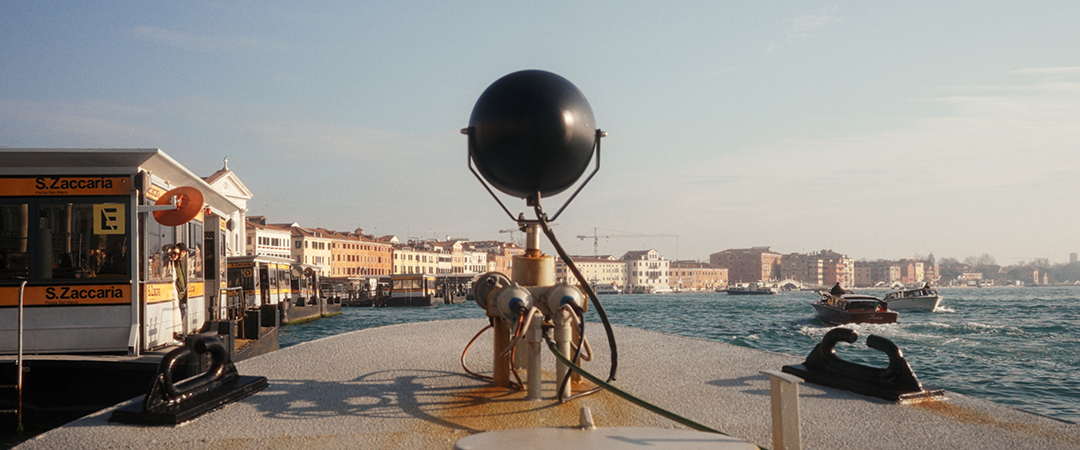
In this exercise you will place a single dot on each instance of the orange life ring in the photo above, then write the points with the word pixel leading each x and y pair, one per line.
pixel 189 202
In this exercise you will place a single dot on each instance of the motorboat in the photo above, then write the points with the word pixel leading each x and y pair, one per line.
pixel 923 299
pixel 751 289
pixel 853 308
pixel 606 289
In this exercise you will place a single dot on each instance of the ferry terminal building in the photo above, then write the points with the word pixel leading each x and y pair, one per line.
pixel 74 224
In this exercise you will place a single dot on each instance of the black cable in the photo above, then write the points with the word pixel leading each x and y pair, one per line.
pixel 577 355
pixel 581 333
pixel 542 219
pixel 626 395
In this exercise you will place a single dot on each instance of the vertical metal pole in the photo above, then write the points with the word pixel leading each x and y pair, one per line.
pixel 532 239
pixel 530 270
pixel 563 334
pixel 785 410
pixel 501 364
pixel 532 340
pixel 19 363
pixel 136 233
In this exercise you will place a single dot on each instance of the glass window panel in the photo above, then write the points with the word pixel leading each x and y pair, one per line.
pixel 14 230
pixel 159 240
pixel 70 249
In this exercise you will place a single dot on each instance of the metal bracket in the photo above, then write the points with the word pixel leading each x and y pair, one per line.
pixel 151 208
pixel 534 199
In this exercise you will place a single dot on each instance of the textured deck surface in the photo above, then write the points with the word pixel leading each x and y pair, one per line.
pixel 403 387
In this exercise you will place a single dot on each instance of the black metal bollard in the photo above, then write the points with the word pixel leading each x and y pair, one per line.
pixel 169 403
pixel 897 382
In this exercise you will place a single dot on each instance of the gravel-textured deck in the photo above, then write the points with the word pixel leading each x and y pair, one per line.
pixel 403 387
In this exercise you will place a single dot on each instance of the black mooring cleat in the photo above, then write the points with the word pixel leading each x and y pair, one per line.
pixel 897 382
pixel 169 404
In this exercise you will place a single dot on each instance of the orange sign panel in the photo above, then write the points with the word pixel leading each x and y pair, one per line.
pixel 160 292
pixel 165 292
pixel 64 185
pixel 153 193
pixel 105 294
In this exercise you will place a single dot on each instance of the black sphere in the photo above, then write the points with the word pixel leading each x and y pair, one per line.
pixel 532 131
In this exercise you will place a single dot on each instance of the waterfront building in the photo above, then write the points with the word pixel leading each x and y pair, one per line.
pixel 697 276
pixel 1029 275
pixel 374 256
pixel 345 255
pixel 887 272
pixel 265 239
pixel 1072 258
pixel 973 279
pixel 451 255
pixel 647 271
pixel 450 258
pixel 312 247
pixel 931 271
pixel 596 270
pixel 229 185
pixel 911 271
pixel 409 260
pixel 808 269
pixel 500 255
pixel 863 273
pixel 876 273
pixel 354 254
pixel 748 265
pixel 837 268
pixel 472 261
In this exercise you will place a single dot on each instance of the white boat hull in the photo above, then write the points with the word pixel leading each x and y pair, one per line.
pixel 925 303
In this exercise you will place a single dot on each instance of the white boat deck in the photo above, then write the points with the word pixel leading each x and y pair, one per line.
pixel 403 387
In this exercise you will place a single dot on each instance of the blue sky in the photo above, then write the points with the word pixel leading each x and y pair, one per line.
pixel 877 129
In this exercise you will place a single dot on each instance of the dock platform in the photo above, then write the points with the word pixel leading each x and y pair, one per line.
pixel 402 386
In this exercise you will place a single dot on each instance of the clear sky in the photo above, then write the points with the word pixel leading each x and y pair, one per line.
pixel 876 129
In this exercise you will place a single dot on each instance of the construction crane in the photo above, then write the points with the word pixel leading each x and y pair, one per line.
pixel 511 231
pixel 596 236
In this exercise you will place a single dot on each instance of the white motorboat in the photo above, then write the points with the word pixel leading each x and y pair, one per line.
pixel 924 298
pixel 606 289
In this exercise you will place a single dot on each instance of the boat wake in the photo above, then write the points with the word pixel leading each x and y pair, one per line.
pixel 817 331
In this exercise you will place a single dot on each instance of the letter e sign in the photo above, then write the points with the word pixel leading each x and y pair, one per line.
pixel 109 218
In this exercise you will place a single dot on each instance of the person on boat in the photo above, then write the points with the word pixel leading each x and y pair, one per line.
pixel 836 290
pixel 178 259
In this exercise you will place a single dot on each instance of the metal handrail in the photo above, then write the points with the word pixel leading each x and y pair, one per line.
pixel 19 361
pixel 19 365
pixel 235 303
